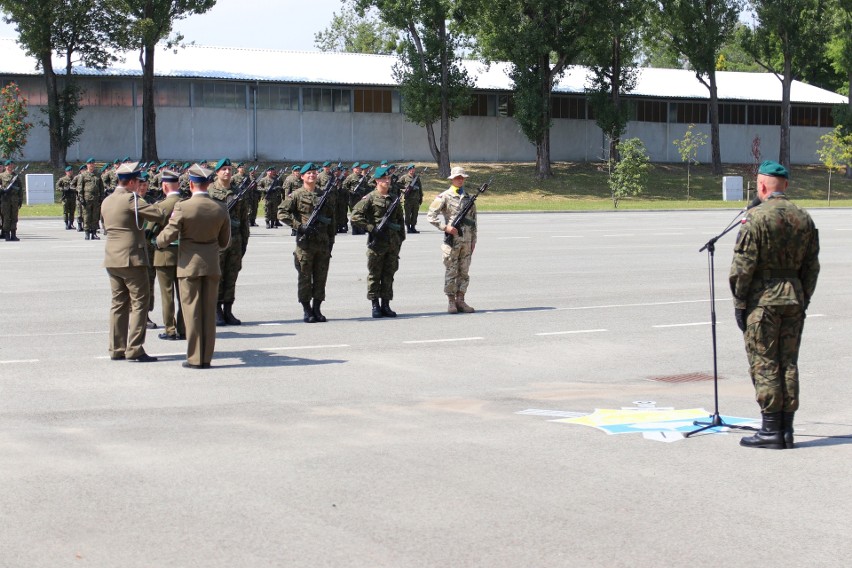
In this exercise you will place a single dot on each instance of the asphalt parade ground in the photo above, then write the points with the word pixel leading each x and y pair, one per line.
pixel 431 439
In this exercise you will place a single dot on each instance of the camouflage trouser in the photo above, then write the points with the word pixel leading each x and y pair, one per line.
pixel 91 215
pixel 230 263
pixel 271 210
pixel 9 212
pixel 312 265
pixel 457 265
pixel 253 200
pixel 412 207
pixel 342 206
pixel 772 341
pixel 69 204
pixel 381 266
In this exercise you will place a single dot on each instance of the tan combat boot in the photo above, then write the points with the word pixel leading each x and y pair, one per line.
pixel 461 305
pixel 452 308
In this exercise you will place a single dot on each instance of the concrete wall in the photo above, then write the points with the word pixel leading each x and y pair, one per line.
pixel 292 136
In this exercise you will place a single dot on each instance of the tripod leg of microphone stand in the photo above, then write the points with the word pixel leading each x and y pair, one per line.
pixel 716 420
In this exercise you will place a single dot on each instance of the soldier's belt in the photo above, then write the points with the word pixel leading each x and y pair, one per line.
pixel 779 273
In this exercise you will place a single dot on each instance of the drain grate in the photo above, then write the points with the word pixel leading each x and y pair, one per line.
pixel 684 378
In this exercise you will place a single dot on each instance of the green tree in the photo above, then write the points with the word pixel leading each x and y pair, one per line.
pixel 79 32
pixel 612 46
pixel 433 85
pixel 732 56
pixel 14 127
pixel 149 22
pixel 688 147
pixel 357 31
pixel 629 176
pixel 698 29
pixel 789 37
pixel 835 151
pixel 539 39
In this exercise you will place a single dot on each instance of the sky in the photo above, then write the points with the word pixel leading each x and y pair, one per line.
pixel 267 24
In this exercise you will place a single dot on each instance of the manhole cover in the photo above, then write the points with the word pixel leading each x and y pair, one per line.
pixel 684 378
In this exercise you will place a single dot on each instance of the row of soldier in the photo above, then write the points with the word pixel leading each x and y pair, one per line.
pixel 310 210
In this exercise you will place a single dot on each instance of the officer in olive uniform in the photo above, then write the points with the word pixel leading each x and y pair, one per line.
pixel 230 259
pixel 270 188
pixel 11 200
pixel 165 262
pixel 91 192
pixel 773 277
pixel 413 197
pixel 314 243
pixel 382 246
pixel 68 197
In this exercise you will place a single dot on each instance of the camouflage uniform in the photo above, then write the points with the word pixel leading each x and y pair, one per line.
pixel 456 257
pixel 356 191
pixel 382 250
pixel 773 276
pixel 292 183
pixel 412 200
pixel 313 252
pixel 10 202
pixel 271 190
pixel 91 192
pixel 68 196
pixel 231 259
pixel 109 179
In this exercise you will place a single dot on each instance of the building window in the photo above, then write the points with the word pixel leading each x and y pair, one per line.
pixel 325 100
pixel 505 105
pixel 107 93
pixel 732 114
pixel 375 100
pixel 216 94
pixel 651 111
pixel 167 93
pixel 568 107
pixel 804 116
pixel 31 89
pixel 481 105
pixel 826 117
pixel 689 113
pixel 764 115
pixel 277 97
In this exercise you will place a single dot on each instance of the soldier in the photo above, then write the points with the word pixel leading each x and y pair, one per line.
pixel 357 186
pixel 204 229
pixel 91 192
pixel 68 197
pixel 342 200
pixel 270 188
pixel 413 197
pixel 324 175
pixel 253 198
pixel 314 243
pixel 108 177
pixel 458 255
pixel 126 262
pixel 290 184
pixel 382 246
pixel 230 259
pixel 75 185
pixel 11 200
pixel 165 263
pixel 239 175
pixel 183 180
pixel 773 277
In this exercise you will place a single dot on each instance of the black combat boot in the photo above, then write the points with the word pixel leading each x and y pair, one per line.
pixel 229 315
pixel 309 313
pixel 79 226
pixel 3 235
pixel 95 236
pixel 220 316
pixel 268 224
pixel 386 310
pixel 13 236
pixel 88 235
pixel 377 309
pixel 317 313
pixel 788 430
pixel 770 435
pixel 414 230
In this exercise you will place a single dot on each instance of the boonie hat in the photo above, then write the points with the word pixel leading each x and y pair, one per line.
pixel 456 172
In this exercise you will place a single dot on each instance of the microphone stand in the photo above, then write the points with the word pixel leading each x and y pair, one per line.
pixel 710 247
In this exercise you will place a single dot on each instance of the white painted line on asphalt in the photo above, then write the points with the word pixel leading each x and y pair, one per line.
pixel 274 323
pixel 54 334
pixel 641 304
pixel 9 362
pixel 570 332
pixel 666 234
pixel 567 236
pixel 449 339
pixel 681 324
pixel 816 315
pixel 296 348
pixel 624 235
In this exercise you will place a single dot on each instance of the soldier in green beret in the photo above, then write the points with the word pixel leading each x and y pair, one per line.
pixel 773 277
pixel 11 200
pixel 382 246
pixel 91 192
pixel 270 187
pixel 68 196
pixel 413 198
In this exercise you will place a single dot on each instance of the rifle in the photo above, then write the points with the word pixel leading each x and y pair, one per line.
pixel 247 185
pixel 12 181
pixel 315 214
pixel 382 225
pixel 364 176
pixel 466 206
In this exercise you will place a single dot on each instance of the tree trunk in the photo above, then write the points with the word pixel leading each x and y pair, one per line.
pixel 444 152
pixel 786 82
pixel 57 157
pixel 542 146
pixel 715 150
pixel 149 118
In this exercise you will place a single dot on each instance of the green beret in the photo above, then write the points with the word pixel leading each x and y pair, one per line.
pixel 270 169
pixel 295 167
pixel 81 168
pixel 307 167
pixel 364 166
pixel 8 163
pixel 90 161
pixel 355 165
pixel 221 164
pixel 409 166
pixel 186 165
pixel 774 169
pixel 68 168
pixel 126 159
pixel 384 163
pixel 381 171
pixel 142 175
pixel 326 164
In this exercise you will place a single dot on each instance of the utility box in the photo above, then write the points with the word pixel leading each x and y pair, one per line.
pixel 39 189
pixel 732 188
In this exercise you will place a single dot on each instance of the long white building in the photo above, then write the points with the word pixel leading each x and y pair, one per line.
pixel 253 104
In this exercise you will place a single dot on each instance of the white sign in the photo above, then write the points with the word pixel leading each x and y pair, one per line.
pixel 39 189
pixel 732 188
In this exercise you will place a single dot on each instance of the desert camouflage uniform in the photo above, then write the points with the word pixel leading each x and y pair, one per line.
pixel 456 257
pixel 773 276
pixel 382 250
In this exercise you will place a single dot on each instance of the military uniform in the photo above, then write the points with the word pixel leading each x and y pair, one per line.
pixel 382 249
pixel 356 190
pixel 231 259
pixel 165 265
pixel 91 193
pixel 68 197
pixel 291 183
pixel 11 200
pixel 773 276
pixel 313 250
pixel 412 200
pixel 204 229
pixel 457 256
pixel 271 190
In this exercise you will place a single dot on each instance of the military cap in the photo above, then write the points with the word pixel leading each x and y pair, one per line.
pixel 355 165
pixel 128 171
pixel 186 165
pixel 270 169
pixel 221 164
pixel 410 166
pixel 326 164
pixel 295 167
pixel 383 163
pixel 8 162
pixel 81 168
pixel 456 172
pixel 68 168
pixel 380 172
pixel 199 174
pixel 169 176
pixel 364 166
pixel 307 167
pixel 143 175
pixel 90 161
pixel 116 161
pixel 774 169
pixel 163 165
pixel 125 159
pixel 241 164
